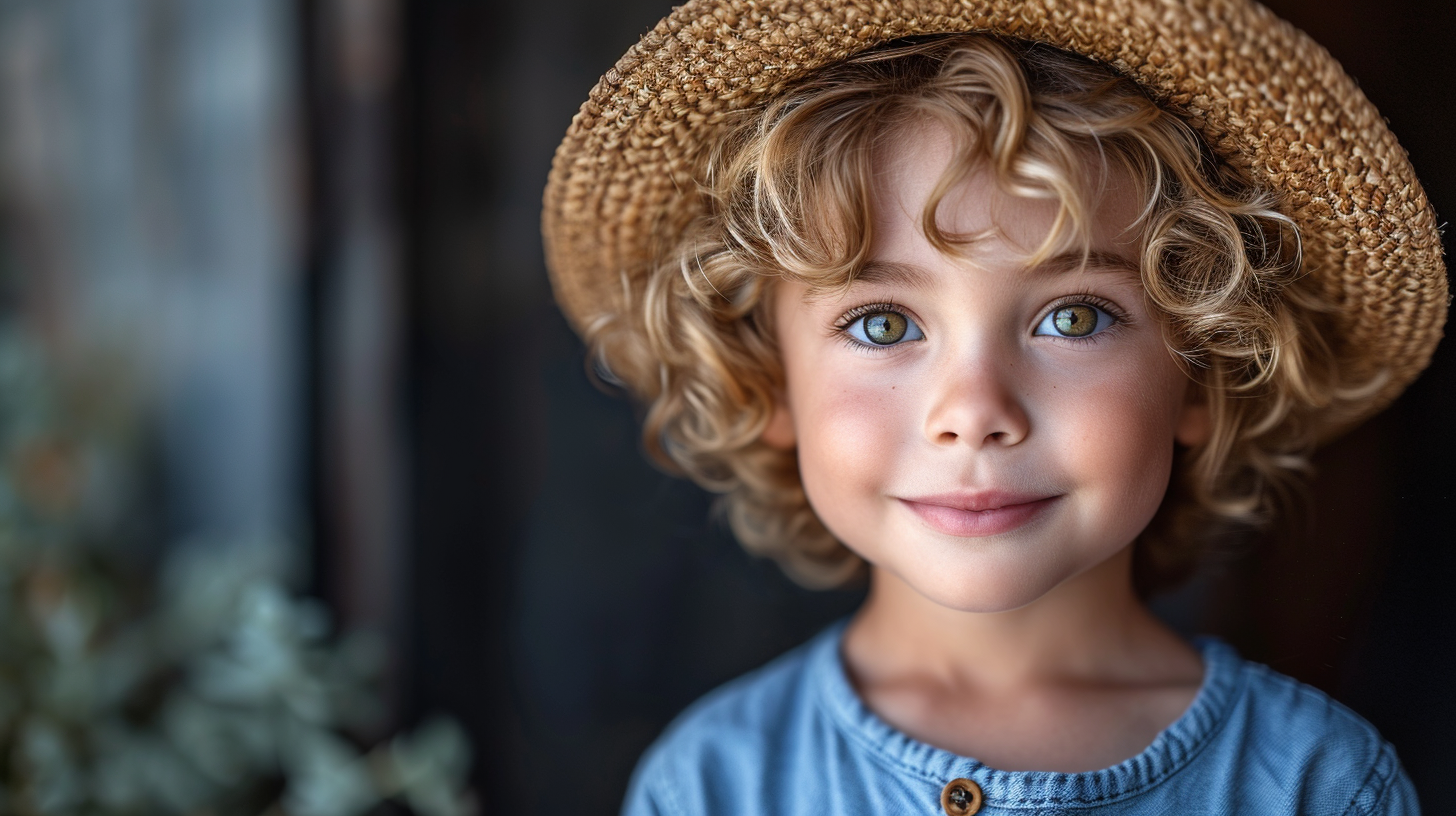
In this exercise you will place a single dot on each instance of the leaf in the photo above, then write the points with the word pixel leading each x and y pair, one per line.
pixel 429 768
pixel 326 777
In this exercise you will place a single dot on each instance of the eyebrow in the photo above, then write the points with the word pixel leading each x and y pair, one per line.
pixel 892 273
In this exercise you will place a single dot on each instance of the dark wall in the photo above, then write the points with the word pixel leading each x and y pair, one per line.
pixel 568 599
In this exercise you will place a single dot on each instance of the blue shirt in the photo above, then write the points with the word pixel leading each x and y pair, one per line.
pixel 794 738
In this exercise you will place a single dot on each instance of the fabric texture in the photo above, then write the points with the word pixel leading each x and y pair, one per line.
pixel 794 738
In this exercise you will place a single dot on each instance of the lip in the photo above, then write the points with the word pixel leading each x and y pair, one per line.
pixel 978 515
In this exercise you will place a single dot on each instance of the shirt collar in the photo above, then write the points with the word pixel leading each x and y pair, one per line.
pixel 1170 751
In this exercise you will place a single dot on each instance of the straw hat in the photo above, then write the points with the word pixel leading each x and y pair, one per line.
pixel 1262 93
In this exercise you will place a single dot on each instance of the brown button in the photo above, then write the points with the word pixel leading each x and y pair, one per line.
pixel 960 797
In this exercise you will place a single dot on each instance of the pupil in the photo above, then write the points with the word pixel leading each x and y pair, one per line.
pixel 885 328
pixel 1075 321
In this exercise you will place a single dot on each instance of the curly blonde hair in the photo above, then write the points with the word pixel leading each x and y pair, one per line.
pixel 789 197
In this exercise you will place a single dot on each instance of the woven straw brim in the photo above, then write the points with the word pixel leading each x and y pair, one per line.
pixel 1270 100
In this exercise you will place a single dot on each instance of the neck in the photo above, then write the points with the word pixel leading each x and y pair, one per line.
pixel 1092 628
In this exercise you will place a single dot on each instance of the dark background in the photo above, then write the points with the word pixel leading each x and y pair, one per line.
pixel 564 600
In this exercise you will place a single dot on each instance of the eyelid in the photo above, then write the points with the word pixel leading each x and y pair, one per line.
pixel 847 319
pixel 1117 312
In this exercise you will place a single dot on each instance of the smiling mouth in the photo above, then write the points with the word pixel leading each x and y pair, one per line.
pixel 980 515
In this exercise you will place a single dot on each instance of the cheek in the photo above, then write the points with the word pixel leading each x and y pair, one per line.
pixel 849 442
pixel 1124 444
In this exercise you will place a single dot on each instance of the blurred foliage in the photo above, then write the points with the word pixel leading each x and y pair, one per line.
pixel 197 684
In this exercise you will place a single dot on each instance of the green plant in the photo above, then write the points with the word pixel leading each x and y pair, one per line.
pixel 197 684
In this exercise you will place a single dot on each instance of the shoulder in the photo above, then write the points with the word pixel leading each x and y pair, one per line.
pixel 715 754
pixel 1294 739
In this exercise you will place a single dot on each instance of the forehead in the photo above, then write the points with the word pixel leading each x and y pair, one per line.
pixel 1094 209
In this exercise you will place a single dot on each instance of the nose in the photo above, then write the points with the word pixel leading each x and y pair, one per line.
pixel 978 404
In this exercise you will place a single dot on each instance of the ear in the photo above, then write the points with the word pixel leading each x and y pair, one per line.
pixel 1195 422
pixel 779 433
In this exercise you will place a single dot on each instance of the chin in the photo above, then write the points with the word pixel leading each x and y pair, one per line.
pixel 984 593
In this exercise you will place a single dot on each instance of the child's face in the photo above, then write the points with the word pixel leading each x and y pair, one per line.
pixel 981 430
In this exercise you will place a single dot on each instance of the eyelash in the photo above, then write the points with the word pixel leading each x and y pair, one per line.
pixel 1120 320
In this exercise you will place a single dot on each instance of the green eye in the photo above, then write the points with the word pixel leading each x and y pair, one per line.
pixel 1075 321
pixel 885 328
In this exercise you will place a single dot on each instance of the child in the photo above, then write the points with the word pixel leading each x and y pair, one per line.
pixel 1016 308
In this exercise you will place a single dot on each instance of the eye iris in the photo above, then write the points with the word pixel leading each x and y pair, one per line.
pixel 1075 321
pixel 885 328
